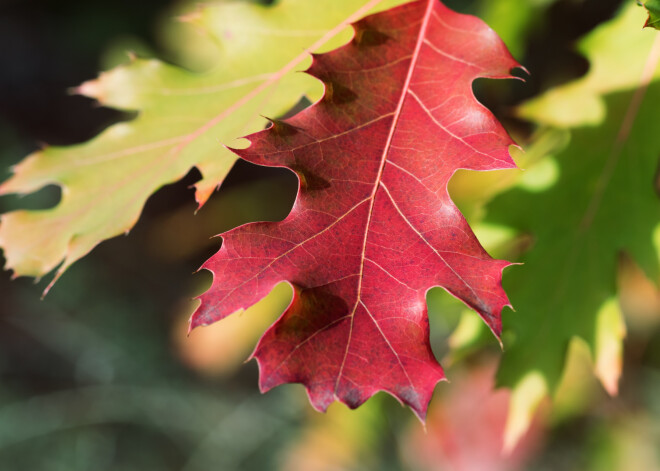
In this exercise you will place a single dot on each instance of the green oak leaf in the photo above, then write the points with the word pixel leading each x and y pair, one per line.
pixel 653 9
pixel 603 202
pixel 183 118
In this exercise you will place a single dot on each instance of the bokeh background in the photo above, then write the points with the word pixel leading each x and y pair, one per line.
pixel 100 375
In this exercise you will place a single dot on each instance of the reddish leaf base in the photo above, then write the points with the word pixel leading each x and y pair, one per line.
pixel 465 429
pixel 373 227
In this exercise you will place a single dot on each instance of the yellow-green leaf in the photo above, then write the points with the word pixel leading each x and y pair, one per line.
pixel 183 118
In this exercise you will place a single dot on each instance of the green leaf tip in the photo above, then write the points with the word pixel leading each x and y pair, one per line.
pixel 653 9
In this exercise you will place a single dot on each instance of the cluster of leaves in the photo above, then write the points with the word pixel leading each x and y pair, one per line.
pixel 373 227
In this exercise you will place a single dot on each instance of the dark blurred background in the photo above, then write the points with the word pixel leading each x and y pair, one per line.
pixel 90 377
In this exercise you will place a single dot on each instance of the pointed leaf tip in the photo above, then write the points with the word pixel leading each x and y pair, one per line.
pixel 653 9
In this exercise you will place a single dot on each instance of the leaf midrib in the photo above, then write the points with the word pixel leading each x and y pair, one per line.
pixel 377 184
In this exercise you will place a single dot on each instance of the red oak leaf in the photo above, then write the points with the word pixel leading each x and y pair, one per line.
pixel 373 227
